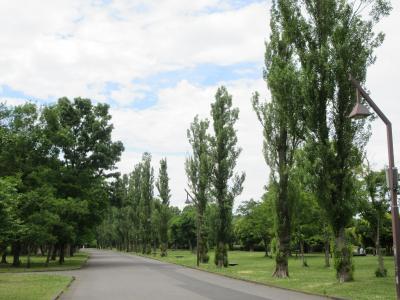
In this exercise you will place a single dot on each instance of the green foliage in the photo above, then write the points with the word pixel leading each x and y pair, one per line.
pixel 198 169
pixel 254 224
pixel 147 179
pixel 53 162
pixel 373 211
pixel 333 39
pixel 283 130
pixel 183 228
pixel 162 183
pixel 164 193
pixel 224 155
pixel 343 263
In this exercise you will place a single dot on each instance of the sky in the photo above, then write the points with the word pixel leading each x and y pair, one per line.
pixel 158 64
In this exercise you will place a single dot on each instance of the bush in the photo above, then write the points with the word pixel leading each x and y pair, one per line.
pixel 379 273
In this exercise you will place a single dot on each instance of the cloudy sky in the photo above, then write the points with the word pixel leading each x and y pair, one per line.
pixel 158 64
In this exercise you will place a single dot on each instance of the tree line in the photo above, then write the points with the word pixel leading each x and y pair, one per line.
pixel 315 153
pixel 57 191
pixel 54 165
pixel 313 48
pixel 139 221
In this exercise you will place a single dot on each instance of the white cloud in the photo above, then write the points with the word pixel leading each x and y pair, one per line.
pixel 57 48
pixel 383 83
pixel 162 130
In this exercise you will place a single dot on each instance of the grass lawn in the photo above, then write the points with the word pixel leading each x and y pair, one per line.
pixel 315 279
pixel 31 286
pixel 37 264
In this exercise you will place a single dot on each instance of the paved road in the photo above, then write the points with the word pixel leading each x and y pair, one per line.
pixel 112 276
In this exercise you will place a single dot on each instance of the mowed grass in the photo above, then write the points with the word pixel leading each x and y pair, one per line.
pixel 31 286
pixel 37 264
pixel 314 279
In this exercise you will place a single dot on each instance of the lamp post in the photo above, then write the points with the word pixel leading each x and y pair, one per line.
pixel 190 201
pixel 360 111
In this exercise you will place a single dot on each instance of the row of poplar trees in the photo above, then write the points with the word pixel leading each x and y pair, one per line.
pixel 314 46
pixel 211 173
pixel 139 221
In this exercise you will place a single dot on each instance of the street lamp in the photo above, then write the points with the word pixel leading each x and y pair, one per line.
pixel 360 111
pixel 191 200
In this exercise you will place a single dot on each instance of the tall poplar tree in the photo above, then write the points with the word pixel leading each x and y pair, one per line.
pixel 135 195
pixel 198 170
pixel 283 129
pixel 164 192
pixel 225 184
pixel 147 181
pixel 334 38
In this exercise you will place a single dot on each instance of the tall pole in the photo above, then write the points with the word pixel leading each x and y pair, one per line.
pixel 392 184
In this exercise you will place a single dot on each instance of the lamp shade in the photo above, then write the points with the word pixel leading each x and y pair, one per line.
pixel 359 111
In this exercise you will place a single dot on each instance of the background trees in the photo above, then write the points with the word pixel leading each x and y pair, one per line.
pixel 54 162
pixel 374 210
pixel 254 224
pixel 146 188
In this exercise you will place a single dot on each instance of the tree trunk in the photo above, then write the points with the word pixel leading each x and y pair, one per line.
pixel 190 246
pixel 303 260
pixel 72 250
pixel 266 247
pixel 3 250
pixel 49 251
pixel 55 250
pixel 62 258
pixel 202 238
pixel 343 261
pixel 327 253
pixel 283 216
pixel 198 238
pixel 281 266
pixel 28 261
pixel 163 248
pixel 16 252
pixel 221 255
pixel 67 250
pixel 381 271
pixel 4 257
pixel 154 248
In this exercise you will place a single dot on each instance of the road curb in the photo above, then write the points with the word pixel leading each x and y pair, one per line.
pixel 64 289
pixel 51 270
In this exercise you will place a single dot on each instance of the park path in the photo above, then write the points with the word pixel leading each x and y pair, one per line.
pixel 111 275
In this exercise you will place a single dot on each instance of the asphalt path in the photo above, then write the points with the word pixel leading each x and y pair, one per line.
pixel 112 275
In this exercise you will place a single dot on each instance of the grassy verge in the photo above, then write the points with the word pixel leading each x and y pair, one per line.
pixel 31 286
pixel 37 264
pixel 316 278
